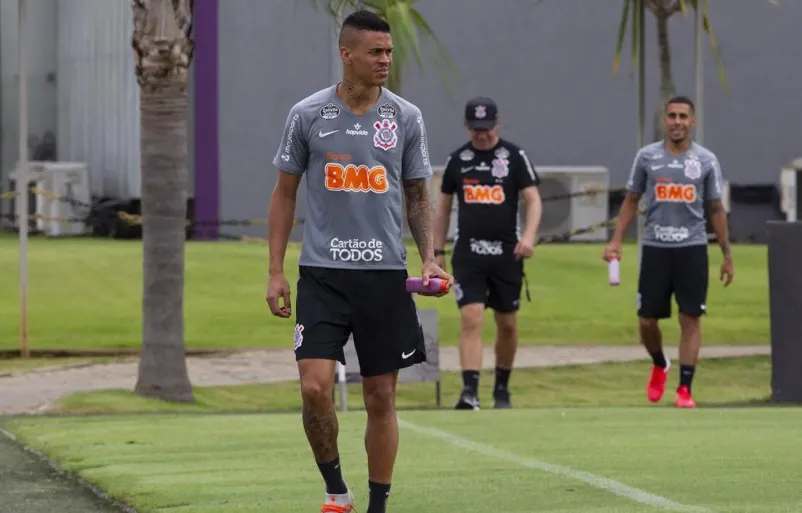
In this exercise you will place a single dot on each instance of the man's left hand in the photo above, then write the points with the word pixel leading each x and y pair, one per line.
pixel 432 270
pixel 524 248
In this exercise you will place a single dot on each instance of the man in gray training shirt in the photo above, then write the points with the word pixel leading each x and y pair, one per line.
pixel 360 147
pixel 679 178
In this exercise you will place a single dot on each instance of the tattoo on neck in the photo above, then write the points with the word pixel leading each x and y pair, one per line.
pixel 353 92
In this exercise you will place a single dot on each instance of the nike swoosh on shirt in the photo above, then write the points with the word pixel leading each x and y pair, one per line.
pixel 326 134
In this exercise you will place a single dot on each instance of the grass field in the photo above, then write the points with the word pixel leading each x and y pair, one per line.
pixel 558 459
pixel 719 382
pixel 582 440
pixel 86 294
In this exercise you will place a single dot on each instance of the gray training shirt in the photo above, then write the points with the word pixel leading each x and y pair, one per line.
pixel 354 169
pixel 676 189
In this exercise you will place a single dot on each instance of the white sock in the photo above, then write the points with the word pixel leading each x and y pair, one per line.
pixel 341 499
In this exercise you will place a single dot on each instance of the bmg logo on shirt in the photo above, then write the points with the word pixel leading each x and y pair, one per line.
pixel 356 250
pixel 675 192
pixel 352 178
pixel 489 194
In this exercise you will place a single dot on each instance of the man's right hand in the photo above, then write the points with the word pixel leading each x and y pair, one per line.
pixel 612 251
pixel 278 288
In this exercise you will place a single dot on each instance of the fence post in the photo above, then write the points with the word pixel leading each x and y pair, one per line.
pixel 785 304
pixel 343 387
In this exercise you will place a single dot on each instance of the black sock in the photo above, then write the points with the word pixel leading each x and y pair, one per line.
pixel 333 476
pixel 686 375
pixel 502 378
pixel 659 358
pixel 379 493
pixel 470 380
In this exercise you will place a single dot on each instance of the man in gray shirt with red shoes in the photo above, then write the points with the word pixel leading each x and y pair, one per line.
pixel 679 178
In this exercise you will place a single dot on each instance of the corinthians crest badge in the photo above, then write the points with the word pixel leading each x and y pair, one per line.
pixel 385 137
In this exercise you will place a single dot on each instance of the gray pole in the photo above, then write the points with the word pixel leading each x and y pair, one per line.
pixel 641 107
pixel 22 183
pixel 700 75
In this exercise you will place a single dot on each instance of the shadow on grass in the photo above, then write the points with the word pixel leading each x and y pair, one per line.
pixel 753 403
pixel 30 481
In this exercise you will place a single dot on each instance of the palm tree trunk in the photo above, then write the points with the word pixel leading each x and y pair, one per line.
pixel 162 366
pixel 667 87
pixel 163 50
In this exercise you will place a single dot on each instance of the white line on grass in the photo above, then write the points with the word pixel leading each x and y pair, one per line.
pixel 593 480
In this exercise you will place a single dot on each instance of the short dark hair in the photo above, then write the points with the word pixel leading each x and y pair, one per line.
pixel 364 20
pixel 684 100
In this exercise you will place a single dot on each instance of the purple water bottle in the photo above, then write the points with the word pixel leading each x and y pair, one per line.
pixel 434 287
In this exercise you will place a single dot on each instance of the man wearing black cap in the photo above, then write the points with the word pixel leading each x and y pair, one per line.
pixel 489 175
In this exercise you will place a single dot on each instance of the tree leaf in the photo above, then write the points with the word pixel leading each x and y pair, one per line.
pixel 622 30
pixel 708 28
pixel 409 30
pixel 631 7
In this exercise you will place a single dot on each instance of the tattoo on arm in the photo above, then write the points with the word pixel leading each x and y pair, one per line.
pixel 419 216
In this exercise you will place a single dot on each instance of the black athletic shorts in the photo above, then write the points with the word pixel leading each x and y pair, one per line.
pixel 682 272
pixel 493 282
pixel 374 305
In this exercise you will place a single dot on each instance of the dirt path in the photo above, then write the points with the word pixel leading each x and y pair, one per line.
pixel 34 391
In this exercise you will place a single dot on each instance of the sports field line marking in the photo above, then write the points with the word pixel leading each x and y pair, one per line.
pixel 593 480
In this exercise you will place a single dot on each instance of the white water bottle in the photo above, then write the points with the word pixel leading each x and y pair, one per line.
pixel 613 272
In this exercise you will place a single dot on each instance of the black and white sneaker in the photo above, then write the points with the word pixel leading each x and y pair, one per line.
pixel 501 399
pixel 468 400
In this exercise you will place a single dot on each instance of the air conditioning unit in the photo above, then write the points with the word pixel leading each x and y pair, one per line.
pixel 64 198
pixel 563 214
pixel 789 190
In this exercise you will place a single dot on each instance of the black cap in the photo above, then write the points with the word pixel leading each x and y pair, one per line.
pixel 481 113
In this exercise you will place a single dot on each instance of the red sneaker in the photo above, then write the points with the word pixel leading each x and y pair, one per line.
pixel 657 382
pixel 684 399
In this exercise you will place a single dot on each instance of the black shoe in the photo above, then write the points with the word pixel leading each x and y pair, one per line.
pixel 468 400
pixel 501 399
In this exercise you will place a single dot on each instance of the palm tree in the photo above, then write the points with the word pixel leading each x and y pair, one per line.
pixel 163 47
pixel 663 10
pixel 409 29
